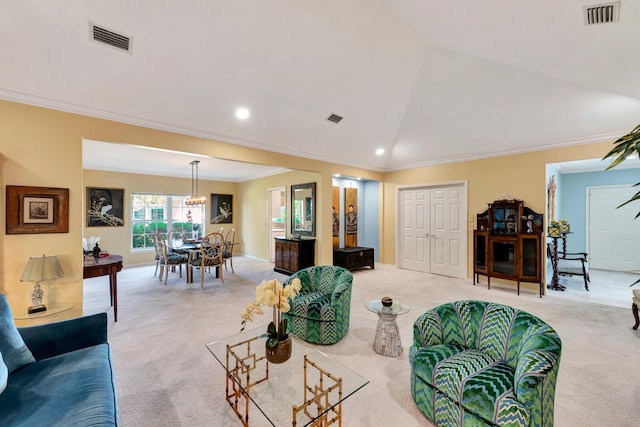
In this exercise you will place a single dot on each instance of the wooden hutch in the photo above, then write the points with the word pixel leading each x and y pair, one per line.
pixel 294 254
pixel 507 244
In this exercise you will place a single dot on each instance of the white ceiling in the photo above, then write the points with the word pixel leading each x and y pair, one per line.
pixel 108 156
pixel 429 81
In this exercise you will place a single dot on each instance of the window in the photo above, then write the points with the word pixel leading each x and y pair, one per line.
pixel 159 213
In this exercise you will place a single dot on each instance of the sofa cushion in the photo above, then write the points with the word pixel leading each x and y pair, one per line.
pixel 12 346
pixel 72 389
pixel 4 374
pixel 474 380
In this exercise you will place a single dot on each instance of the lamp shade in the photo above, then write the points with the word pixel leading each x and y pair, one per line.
pixel 42 268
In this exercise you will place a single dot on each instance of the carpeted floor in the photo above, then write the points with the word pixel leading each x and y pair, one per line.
pixel 166 377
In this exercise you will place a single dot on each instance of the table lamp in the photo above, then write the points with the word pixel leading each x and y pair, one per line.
pixel 37 270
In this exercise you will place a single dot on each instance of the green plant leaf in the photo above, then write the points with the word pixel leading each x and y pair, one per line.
pixel 272 342
pixel 271 329
pixel 624 147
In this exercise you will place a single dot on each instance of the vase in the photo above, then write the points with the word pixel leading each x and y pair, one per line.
pixel 280 353
pixel 553 231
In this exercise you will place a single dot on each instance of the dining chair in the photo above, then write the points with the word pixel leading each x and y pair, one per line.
pixel 169 259
pixel 227 254
pixel 158 250
pixel 176 237
pixel 570 263
pixel 208 255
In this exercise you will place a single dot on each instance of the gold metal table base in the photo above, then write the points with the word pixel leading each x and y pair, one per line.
pixel 238 382
pixel 318 395
pixel 242 360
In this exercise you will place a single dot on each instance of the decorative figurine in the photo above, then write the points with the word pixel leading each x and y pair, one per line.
pixel 96 252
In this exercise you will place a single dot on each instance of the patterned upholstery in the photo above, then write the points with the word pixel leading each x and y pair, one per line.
pixel 475 363
pixel 320 313
pixel 208 256
pixel 165 258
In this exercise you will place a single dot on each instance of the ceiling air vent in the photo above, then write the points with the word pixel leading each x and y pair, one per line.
pixel 602 13
pixel 334 118
pixel 110 38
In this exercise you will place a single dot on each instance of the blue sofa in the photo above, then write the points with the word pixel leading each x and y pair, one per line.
pixel 56 374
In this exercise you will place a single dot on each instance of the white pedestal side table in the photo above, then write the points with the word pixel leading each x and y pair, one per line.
pixel 387 341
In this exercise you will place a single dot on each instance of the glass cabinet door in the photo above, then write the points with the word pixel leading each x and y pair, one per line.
pixel 503 257
pixel 530 255
pixel 505 220
pixel 480 252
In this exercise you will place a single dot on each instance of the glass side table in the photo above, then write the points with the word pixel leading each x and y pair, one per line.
pixel 52 314
pixel 387 340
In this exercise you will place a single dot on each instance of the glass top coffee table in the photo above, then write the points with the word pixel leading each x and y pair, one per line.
pixel 306 390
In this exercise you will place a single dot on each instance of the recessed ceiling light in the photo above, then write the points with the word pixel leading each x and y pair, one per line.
pixel 379 151
pixel 242 113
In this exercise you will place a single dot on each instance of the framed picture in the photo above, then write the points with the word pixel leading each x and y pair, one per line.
pixel 221 208
pixel 105 207
pixel 32 210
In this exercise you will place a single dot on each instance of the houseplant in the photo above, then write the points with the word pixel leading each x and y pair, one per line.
pixel 625 146
pixel 272 293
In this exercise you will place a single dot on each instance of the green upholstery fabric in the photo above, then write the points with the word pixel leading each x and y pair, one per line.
pixel 476 363
pixel 320 313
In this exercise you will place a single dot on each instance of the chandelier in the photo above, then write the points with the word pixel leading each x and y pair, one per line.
pixel 194 199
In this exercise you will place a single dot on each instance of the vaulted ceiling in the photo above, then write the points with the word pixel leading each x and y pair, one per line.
pixel 428 81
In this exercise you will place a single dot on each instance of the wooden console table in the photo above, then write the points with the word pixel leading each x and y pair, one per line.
pixel 107 266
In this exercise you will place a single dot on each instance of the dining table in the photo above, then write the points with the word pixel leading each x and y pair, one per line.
pixel 186 248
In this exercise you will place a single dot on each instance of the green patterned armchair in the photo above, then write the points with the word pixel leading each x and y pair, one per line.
pixel 476 363
pixel 320 312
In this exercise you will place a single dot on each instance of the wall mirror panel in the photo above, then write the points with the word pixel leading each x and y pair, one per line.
pixel 303 209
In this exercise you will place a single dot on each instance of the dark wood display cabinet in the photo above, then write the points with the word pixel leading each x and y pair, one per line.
pixel 294 254
pixel 507 244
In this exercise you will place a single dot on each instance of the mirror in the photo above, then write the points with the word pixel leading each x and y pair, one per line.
pixel 303 209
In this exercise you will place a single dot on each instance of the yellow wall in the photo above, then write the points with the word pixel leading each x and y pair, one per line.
pixel 521 176
pixel 42 147
pixel 34 155
pixel 255 217
pixel 117 240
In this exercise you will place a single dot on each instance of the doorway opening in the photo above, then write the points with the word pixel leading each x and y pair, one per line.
pixel 277 215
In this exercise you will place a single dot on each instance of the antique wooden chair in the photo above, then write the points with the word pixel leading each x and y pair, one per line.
pixel 168 258
pixel 227 254
pixel 208 255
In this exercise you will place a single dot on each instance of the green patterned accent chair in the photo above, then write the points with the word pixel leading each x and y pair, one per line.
pixel 320 312
pixel 476 363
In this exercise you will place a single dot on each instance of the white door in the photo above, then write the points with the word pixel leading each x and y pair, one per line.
pixel 448 232
pixel 414 238
pixel 433 226
pixel 613 237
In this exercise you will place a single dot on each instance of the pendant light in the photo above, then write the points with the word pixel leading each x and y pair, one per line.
pixel 194 199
